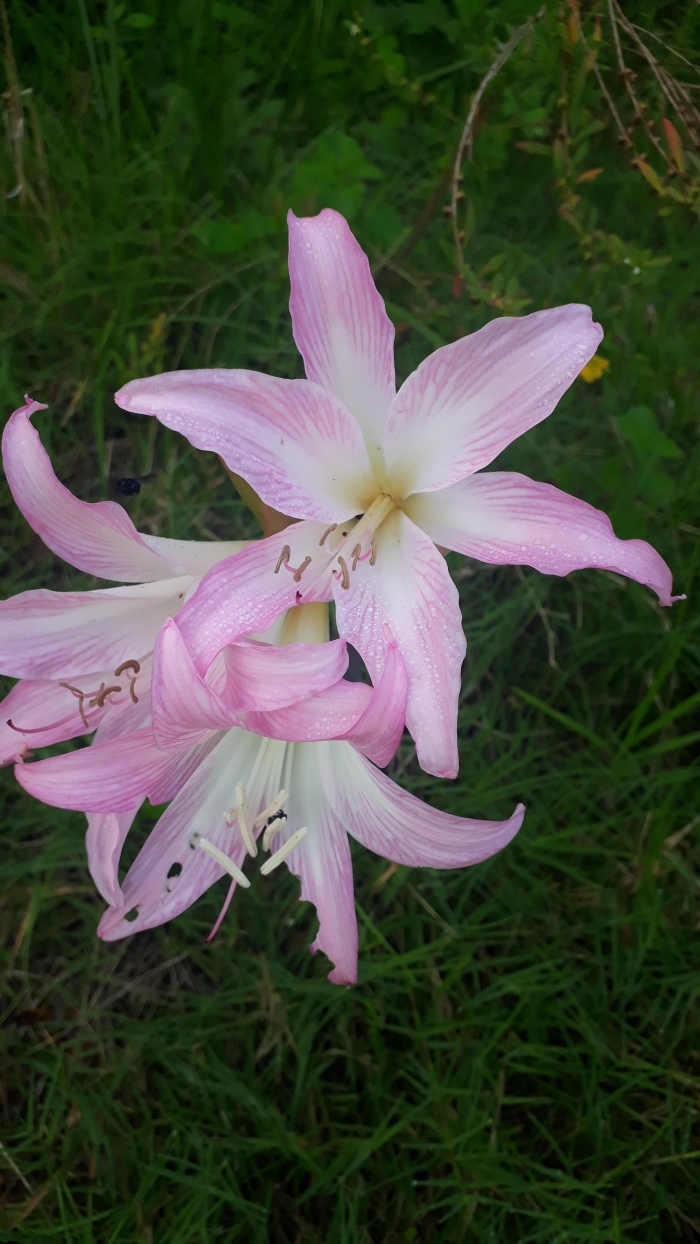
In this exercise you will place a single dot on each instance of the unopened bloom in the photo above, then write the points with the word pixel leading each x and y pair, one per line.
pixel 383 480
pixel 250 794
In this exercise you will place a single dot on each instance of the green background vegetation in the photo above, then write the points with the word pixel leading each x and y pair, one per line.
pixel 519 1059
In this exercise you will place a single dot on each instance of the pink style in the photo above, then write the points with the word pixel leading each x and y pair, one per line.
pixel 382 481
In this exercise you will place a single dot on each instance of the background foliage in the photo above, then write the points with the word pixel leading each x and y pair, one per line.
pixel 519 1060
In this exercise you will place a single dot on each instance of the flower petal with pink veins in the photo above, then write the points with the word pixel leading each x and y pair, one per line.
pixel 105 837
pixel 56 635
pixel 339 321
pixel 192 557
pixel 115 777
pixel 243 595
pixel 328 715
pixel 300 449
pixel 184 704
pixel 396 825
pixel 470 399
pixel 98 537
pixel 262 677
pixel 378 731
pixel 49 714
pixel 171 872
pixel 410 590
pixel 322 860
pixel 509 519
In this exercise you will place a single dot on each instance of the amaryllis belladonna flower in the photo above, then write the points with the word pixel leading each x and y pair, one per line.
pixel 302 798
pixel 382 480
pixel 84 658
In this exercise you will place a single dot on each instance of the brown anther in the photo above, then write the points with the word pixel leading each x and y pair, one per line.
pixel 300 569
pixel 99 699
pixel 283 558
pixel 81 701
pixel 132 693
pixel 127 665
pixel 356 555
pixel 345 572
pixel 326 533
pixel 373 546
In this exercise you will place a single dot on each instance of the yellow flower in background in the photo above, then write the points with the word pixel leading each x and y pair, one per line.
pixel 595 368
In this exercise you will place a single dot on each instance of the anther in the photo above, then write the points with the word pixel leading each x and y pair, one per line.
pixel 128 665
pixel 271 809
pixel 242 816
pixel 283 558
pixel 276 859
pixel 373 550
pixel 226 863
pixel 356 555
pixel 98 701
pixel 344 573
pixel 273 827
pixel 300 569
pixel 81 701
pixel 132 693
pixel 326 533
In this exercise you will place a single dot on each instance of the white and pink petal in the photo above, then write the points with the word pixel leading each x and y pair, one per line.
pixel 508 519
pixel 470 399
pixel 296 445
pixel 398 826
pixel 64 635
pixel 339 320
pixel 171 871
pixel 98 537
pixel 410 591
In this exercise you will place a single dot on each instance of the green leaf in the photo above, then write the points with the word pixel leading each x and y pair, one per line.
pixel 223 237
pixel 334 174
pixel 139 21
pixel 640 428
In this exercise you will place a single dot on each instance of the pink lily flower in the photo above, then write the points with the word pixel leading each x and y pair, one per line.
pixel 84 658
pixel 382 481
pixel 303 797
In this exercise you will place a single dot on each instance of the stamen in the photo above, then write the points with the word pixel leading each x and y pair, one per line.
pixel 81 701
pixel 300 569
pixel 128 665
pixel 273 827
pixel 271 809
pixel 373 550
pixel 226 863
pixel 356 555
pixel 344 573
pixel 283 558
pixel 242 814
pixel 326 533
pixel 285 850
pixel 98 701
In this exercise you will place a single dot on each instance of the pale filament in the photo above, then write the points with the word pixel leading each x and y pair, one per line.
pixel 272 828
pixel 272 808
pixel 242 817
pixel 285 850
pixel 226 863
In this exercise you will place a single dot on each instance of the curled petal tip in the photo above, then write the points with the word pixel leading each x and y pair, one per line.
pixel 32 406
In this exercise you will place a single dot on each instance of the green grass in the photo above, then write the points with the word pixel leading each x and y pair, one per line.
pixel 519 1061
